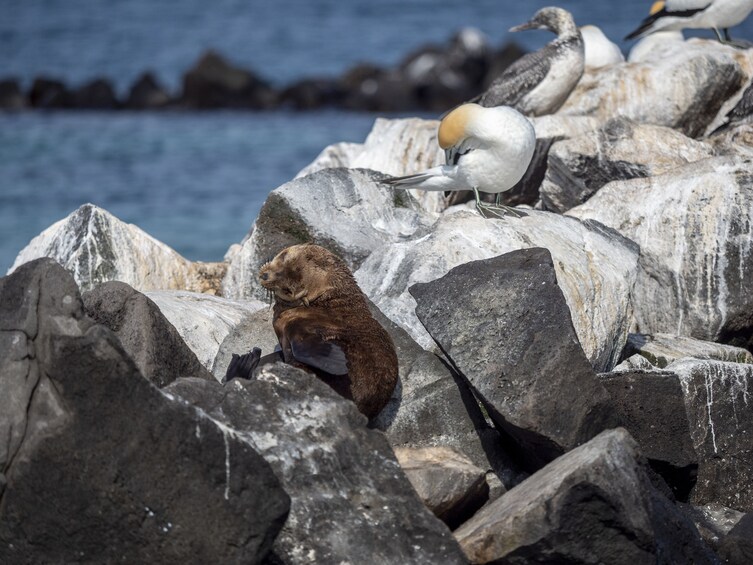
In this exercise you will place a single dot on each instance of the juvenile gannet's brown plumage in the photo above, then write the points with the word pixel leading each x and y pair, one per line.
pixel 539 82
pixel 324 326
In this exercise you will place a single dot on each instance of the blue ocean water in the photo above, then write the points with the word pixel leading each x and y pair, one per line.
pixel 197 180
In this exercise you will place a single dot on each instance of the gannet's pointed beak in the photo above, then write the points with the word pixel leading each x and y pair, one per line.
pixel 525 26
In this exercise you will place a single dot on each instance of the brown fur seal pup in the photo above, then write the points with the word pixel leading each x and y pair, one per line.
pixel 324 326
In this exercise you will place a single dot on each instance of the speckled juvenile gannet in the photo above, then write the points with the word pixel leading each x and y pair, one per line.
pixel 486 149
pixel 694 14
pixel 539 83
pixel 600 51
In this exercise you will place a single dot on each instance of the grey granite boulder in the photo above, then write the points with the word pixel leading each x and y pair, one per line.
pixel 683 90
pixel 98 464
pixel 253 330
pixel 394 147
pixel 432 406
pixel 505 325
pixel 596 268
pixel 594 504
pixel 350 500
pixel 450 485
pixel 152 342
pixel 717 400
pixel 662 349
pixel 204 321
pixel 621 150
pixel 651 406
pixel 97 247
pixel 347 211
pixel 694 226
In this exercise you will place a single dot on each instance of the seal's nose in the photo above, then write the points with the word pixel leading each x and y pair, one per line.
pixel 264 276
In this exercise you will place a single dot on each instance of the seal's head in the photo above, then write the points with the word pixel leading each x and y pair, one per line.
pixel 301 274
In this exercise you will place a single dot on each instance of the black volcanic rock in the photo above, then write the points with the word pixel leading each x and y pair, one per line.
pixel 370 88
pixel 594 504
pixel 146 93
pixel 651 406
pixel 152 342
pixel 100 466
pixel 95 95
pixel 312 93
pixel 11 97
pixel 215 83
pixel 505 325
pixel 351 502
pixel 49 93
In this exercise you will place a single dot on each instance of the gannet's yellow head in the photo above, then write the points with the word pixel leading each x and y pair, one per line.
pixel 656 7
pixel 454 127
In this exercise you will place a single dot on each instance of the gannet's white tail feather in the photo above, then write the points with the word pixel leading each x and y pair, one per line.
pixel 438 178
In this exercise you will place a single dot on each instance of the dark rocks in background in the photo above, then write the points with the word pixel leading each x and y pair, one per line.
pixel 11 97
pixel 95 95
pixel 351 501
pixel 146 94
pixel 152 342
pixel 519 350
pixel 312 93
pixel 434 78
pixel 48 93
pixel 594 504
pixel 215 83
pixel 651 407
pixel 374 89
pixel 101 466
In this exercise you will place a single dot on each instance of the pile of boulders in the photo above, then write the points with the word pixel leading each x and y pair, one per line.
pixel 433 78
pixel 575 384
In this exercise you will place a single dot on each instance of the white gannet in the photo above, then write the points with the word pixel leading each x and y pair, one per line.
pixel 694 14
pixel 486 149
pixel 539 83
pixel 600 51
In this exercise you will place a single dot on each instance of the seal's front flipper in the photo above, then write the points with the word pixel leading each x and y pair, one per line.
pixel 242 366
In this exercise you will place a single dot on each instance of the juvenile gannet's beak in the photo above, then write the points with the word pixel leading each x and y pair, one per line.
pixel 526 26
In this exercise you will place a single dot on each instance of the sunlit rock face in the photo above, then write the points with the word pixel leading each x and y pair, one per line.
pixel 694 226
pixel 98 247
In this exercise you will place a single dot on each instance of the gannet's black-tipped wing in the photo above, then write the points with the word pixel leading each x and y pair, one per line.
pixel 453 154
pixel 647 23
pixel 309 348
pixel 520 78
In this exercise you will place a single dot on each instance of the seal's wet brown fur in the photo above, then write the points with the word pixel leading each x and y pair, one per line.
pixel 320 309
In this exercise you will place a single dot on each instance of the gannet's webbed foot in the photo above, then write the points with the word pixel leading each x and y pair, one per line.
pixel 739 43
pixel 498 211
pixel 243 366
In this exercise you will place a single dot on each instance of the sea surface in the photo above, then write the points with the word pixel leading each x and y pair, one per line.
pixel 196 181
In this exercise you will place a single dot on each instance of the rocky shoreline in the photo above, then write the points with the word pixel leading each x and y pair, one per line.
pixel 574 384
pixel 432 78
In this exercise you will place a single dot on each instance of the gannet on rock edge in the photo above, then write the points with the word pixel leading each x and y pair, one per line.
pixel 599 50
pixel 486 149
pixel 694 14
pixel 539 83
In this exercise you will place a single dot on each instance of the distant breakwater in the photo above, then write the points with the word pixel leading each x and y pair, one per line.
pixel 433 78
